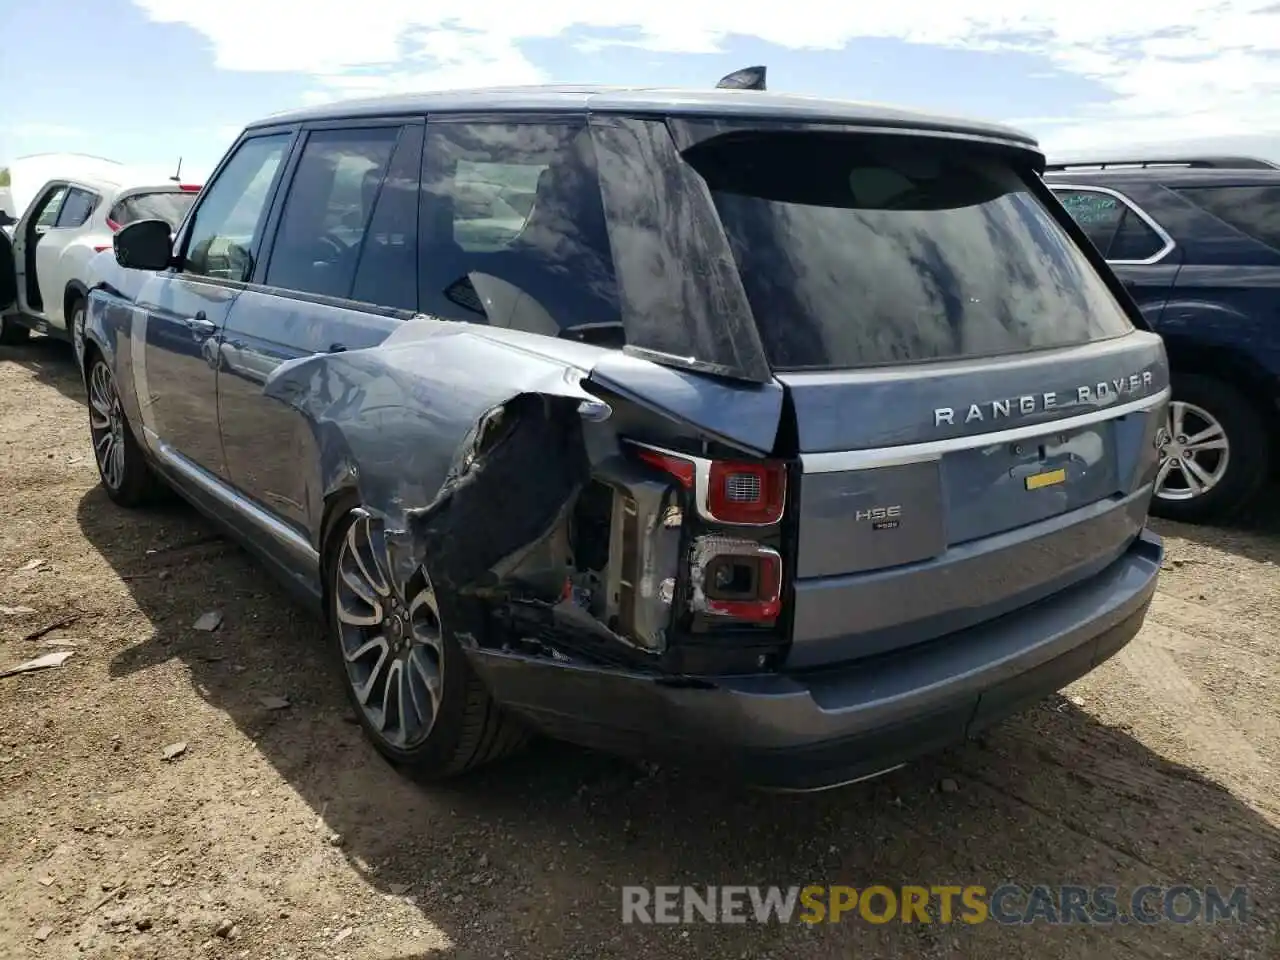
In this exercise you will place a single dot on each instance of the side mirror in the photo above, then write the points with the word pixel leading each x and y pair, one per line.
pixel 6 220
pixel 144 245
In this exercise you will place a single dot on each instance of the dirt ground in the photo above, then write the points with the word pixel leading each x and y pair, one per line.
pixel 280 833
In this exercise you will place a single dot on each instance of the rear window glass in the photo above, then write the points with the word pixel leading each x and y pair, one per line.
pixel 858 250
pixel 170 206
pixel 1254 211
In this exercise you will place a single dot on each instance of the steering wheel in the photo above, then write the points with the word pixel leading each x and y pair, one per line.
pixel 333 243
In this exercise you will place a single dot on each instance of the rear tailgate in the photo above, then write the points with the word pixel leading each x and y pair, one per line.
pixel 904 542
pixel 975 414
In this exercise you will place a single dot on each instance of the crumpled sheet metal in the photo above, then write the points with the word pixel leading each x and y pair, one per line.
pixel 409 413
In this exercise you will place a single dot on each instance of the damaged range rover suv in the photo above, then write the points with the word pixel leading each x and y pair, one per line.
pixel 794 436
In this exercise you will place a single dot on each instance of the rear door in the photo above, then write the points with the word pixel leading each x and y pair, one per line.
pixel 974 410
pixel 1135 246
pixel 51 265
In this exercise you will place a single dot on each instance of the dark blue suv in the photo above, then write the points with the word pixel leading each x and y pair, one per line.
pixel 1197 243
pixel 787 436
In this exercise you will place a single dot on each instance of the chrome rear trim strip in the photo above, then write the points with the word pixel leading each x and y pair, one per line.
pixel 841 460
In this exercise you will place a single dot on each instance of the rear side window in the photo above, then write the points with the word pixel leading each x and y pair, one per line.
pixel 1254 211
pixel 76 208
pixel 1115 227
pixel 327 212
pixel 171 206
pixel 859 250
pixel 515 230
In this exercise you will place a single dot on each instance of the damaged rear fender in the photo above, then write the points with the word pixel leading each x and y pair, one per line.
pixel 464 474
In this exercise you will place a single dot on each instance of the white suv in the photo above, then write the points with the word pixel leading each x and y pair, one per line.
pixel 44 257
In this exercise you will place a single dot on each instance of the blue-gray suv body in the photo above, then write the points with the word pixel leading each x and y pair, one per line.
pixel 789 436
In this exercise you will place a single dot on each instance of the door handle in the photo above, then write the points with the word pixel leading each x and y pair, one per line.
pixel 201 325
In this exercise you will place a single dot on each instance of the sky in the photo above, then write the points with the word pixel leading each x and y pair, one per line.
pixel 145 82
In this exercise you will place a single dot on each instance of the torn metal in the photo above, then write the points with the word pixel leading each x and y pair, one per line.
pixel 511 487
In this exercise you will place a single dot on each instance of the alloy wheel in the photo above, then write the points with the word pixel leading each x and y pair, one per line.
pixel 1194 453
pixel 392 646
pixel 106 426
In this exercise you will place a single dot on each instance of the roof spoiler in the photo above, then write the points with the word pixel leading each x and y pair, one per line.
pixel 748 78
pixel 1200 163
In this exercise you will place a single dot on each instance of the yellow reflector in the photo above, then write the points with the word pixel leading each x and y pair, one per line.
pixel 1046 479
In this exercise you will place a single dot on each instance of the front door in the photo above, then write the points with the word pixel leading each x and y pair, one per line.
pixel 186 307
pixel 8 275
pixel 38 221
pixel 342 263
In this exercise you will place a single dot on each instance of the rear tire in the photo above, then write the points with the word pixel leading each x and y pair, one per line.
pixel 406 677
pixel 122 466
pixel 13 333
pixel 1213 409
pixel 75 327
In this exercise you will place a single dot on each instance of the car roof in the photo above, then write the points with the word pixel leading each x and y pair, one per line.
pixel 650 100
pixel 1174 176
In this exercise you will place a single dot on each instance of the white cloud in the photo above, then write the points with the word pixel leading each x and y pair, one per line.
pixel 39 130
pixel 1176 68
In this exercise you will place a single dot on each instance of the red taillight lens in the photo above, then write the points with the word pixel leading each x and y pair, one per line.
pixel 742 492
pixel 112 225
pixel 678 467
pixel 189 187
pixel 747 493
pixel 100 248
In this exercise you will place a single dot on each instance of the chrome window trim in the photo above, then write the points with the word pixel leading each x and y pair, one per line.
pixel 1142 215
pixel 841 460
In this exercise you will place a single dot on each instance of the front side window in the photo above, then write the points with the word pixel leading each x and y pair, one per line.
pixel 514 230
pixel 858 250
pixel 229 218
pixel 1113 226
pixel 1254 211
pixel 76 208
pixel 330 202
pixel 49 208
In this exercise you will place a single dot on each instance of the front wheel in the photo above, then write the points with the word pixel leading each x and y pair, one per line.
pixel 1215 453
pixel 413 690
pixel 122 467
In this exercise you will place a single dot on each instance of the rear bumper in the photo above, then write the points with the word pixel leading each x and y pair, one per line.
pixel 821 727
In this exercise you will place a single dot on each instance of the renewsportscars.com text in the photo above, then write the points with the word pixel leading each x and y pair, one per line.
pixel 1011 904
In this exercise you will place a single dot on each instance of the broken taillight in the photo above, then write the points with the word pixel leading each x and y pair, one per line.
pixel 738 579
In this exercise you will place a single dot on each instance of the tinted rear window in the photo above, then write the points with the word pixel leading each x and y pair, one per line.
pixel 170 206
pixel 858 250
pixel 1254 211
